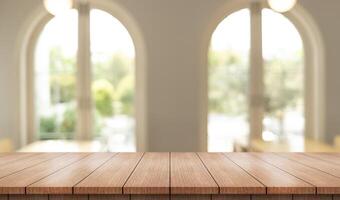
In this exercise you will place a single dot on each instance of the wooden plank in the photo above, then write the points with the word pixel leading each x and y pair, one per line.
pixel 109 197
pixel 11 157
pixel 26 162
pixel 62 182
pixel 276 180
pixel 272 197
pixel 312 197
pixel 111 177
pixel 321 165
pixel 230 178
pixel 325 183
pixel 16 183
pixel 28 197
pixel 336 197
pixel 151 176
pixel 231 197
pixel 190 197
pixel 189 175
pixel 3 197
pixel 68 197
pixel 329 157
pixel 150 197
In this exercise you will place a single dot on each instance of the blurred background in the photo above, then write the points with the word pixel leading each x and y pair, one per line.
pixel 169 75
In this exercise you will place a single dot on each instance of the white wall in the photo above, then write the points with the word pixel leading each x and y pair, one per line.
pixel 175 34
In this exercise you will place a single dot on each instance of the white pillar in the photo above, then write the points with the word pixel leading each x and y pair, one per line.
pixel 256 85
pixel 84 78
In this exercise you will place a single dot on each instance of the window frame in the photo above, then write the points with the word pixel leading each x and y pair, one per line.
pixel 314 82
pixel 25 52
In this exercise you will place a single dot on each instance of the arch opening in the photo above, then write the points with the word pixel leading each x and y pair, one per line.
pixel 276 52
pixel 30 43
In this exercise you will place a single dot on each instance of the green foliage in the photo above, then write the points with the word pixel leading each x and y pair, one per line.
pixel 284 88
pixel 98 124
pixel 68 123
pixel 48 124
pixel 62 88
pixel 118 76
pixel 125 94
pixel 228 78
pixel 60 64
pixel 48 127
pixel 103 97
pixel 113 71
pixel 62 71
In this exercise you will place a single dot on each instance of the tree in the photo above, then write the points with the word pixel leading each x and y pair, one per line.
pixel 228 79
pixel 113 70
pixel 125 94
pixel 103 97
pixel 62 76
pixel 284 88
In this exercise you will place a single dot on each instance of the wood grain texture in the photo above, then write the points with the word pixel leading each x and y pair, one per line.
pixel 231 197
pixel 105 176
pixel 110 177
pixel 276 180
pixel 68 197
pixel 28 197
pixel 329 157
pixel 190 197
pixel 328 167
pixel 189 175
pixel 230 178
pixel 26 162
pixel 109 197
pixel 272 197
pixel 150 197
pixel 62 182
pixel 17 182
pixel 3 197
pixel 312 197
pixel 151 176
pixel 325 183
pixel 11 157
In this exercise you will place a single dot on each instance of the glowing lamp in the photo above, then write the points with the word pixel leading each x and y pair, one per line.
pixel 56 7
pixel 281 5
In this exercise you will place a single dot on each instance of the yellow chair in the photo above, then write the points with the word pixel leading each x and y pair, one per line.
pixel 6 145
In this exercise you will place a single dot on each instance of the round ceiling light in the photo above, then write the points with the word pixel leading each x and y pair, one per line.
pixel 56 7
pixel 281 5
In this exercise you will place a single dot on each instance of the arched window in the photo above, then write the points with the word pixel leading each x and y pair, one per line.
pixel 84 79
pixel 228 81
pixel 256 79
pixel 113 81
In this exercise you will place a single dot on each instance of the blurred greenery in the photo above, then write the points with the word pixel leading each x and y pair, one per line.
pixel 68 123
pixel 125 94
pixel 284 84
pixel 228 89
pixel 112 92
pixel 114 69
pixel 48 124
pixel 284 87
pixel 228 78
pixel 62 77
pixel 103 97
pixel 62 88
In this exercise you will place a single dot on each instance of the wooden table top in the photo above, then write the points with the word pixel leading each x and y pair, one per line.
pixel 170 173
